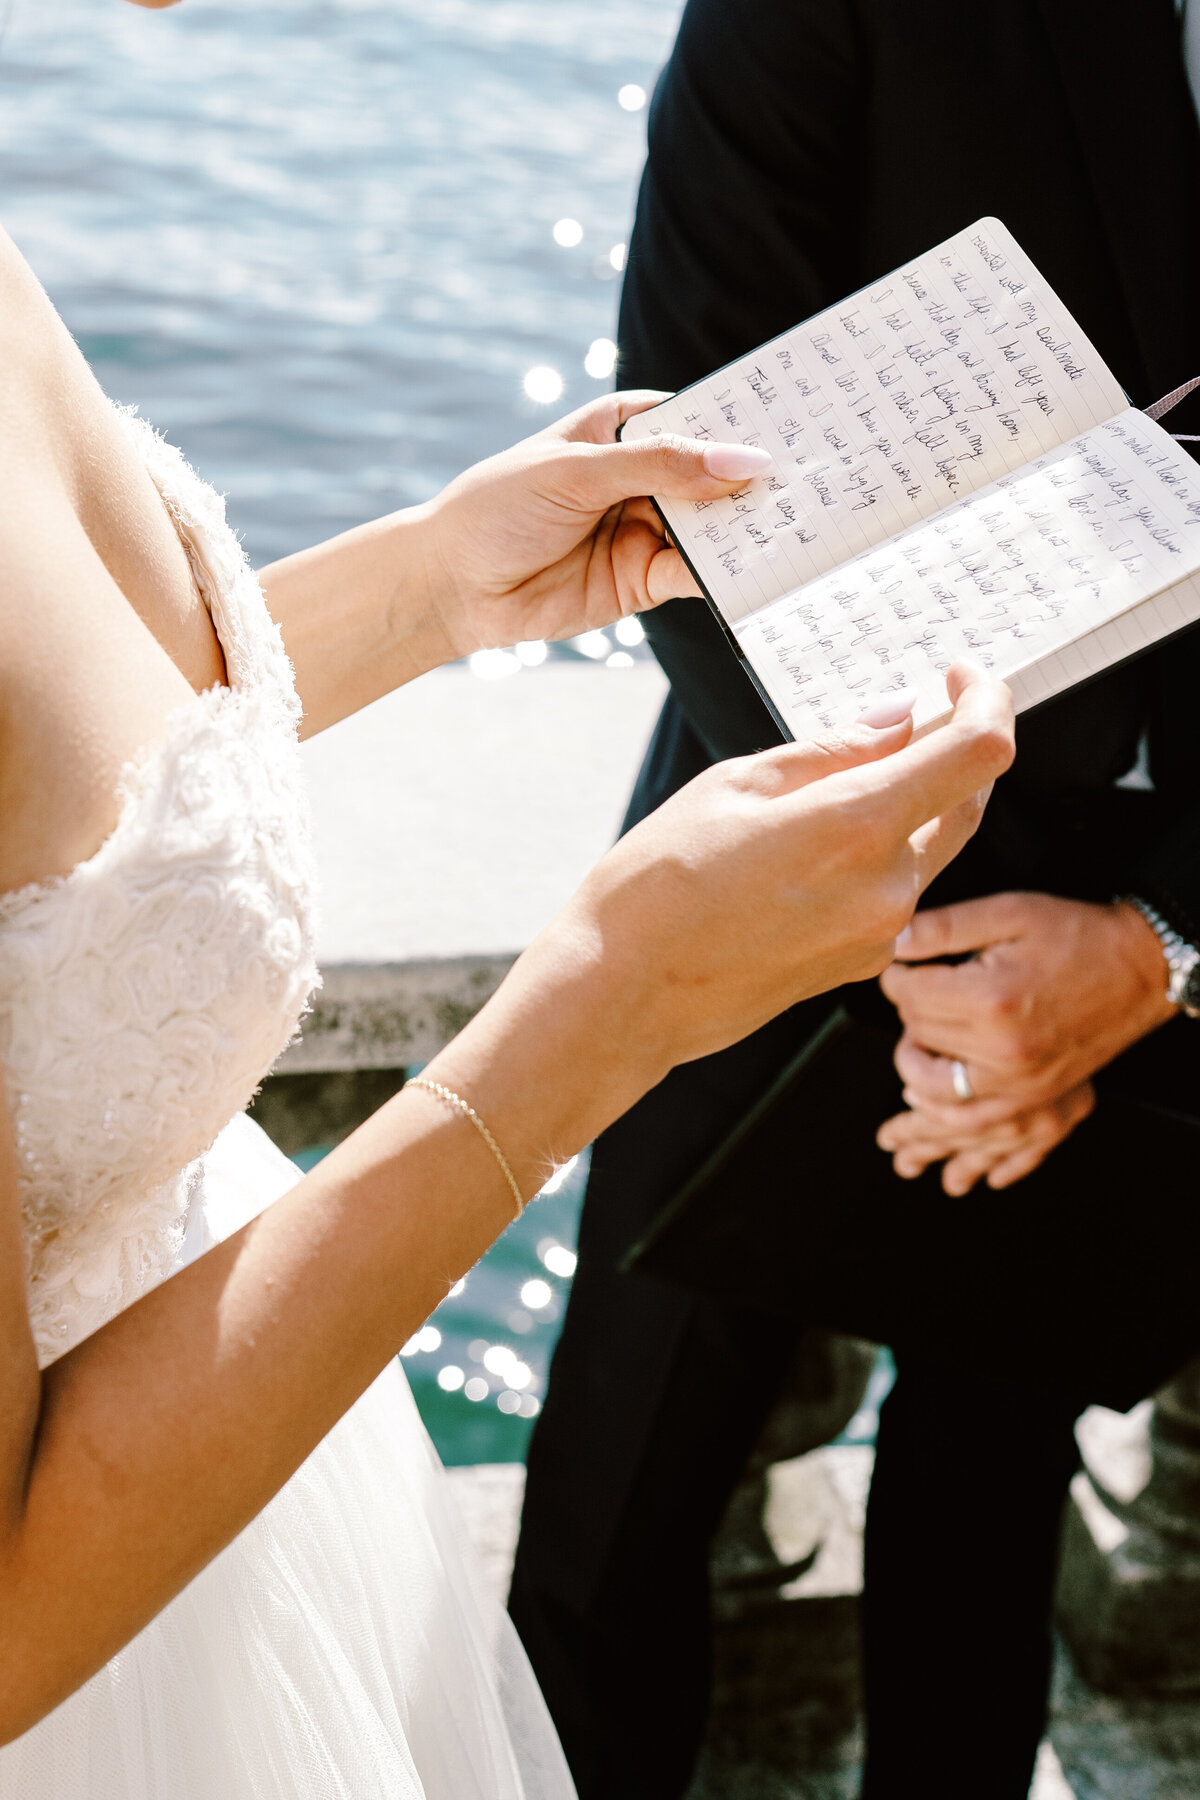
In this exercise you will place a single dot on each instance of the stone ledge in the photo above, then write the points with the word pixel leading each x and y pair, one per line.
pixel 451 820
pixel 391 1015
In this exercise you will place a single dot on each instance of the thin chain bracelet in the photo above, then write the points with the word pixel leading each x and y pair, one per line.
pixel 468 1112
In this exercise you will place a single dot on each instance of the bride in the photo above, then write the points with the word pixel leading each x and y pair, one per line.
pixel 227 1568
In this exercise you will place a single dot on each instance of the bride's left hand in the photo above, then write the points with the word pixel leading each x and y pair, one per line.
pixel 554 537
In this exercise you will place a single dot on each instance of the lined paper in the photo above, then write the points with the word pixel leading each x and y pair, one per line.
pixel 1129 635
pixel 882 411
pixel 1043 575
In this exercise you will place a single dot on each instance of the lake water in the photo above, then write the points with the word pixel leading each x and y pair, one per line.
pixel 314 241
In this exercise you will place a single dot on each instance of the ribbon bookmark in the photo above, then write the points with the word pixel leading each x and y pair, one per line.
pixel 1162 407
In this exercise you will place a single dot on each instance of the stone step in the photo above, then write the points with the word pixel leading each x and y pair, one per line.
pixel 785 1723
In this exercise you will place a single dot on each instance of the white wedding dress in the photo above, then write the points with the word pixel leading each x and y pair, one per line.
pixel 341 1648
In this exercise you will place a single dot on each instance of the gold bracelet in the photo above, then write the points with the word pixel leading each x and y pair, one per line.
pixel 468 1112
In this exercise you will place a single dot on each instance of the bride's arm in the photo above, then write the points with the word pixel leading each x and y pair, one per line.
pixel 544 541
pixel 127 1465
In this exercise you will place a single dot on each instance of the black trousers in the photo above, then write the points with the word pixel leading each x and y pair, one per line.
pixel 656 1398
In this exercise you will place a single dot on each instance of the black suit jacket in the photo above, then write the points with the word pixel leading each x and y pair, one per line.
pixel 799 149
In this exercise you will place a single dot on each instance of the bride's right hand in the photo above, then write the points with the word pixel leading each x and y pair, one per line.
pixel 767 879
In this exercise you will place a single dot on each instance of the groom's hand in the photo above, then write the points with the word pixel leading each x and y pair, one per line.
pixel 556 536
pixel 1051 991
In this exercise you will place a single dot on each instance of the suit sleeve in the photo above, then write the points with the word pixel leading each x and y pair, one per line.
pixel 1166 869
pixel 1168 876
pixel 744 225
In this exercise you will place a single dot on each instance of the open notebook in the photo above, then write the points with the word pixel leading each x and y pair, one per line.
pixel 956 473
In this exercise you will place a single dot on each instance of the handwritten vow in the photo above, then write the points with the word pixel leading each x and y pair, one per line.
pixel 956 472
pixel 1026 568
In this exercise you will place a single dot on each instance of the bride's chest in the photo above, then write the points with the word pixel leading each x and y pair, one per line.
pixel 145 995
pixel 143 999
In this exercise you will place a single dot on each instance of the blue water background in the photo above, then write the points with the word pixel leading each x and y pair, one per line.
pixel 313 241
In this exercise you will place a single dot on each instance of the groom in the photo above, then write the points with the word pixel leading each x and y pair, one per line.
pixel 798 149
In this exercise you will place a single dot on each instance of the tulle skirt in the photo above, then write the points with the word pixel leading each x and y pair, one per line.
pixel 343 1646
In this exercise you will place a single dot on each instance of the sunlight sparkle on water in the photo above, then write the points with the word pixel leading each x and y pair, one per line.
pixel 631 98
pixel 559 1260
pixel 451 1378
pixel 559 1176
pixel 568 233
pixel 601 359
pixel 428 1338
pixel 616 257
pixel 593 644
pixel 532 653
pixel 477 1388
pixel 543 385
pixel 536 1294
pixel 493 665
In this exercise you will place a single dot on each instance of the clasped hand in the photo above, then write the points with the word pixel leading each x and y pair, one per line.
pixel 1051 991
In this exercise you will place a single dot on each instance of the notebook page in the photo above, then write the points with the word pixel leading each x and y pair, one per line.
pixel 880 412
pixel 1013 576
pixel 1135 631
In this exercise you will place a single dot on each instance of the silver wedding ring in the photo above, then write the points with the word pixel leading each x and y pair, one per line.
pixel 961 1081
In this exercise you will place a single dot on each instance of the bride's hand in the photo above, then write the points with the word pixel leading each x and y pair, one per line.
pixel 554 536
pixel 768 879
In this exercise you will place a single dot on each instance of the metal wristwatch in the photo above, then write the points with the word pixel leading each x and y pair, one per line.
pixel 1182 959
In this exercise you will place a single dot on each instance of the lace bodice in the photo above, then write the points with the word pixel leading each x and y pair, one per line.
pixel 144 996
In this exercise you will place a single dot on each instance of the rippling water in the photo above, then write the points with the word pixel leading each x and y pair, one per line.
pixel 313 239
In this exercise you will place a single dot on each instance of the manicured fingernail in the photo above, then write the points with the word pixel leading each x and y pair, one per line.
pixel 736 462
pixel 888 711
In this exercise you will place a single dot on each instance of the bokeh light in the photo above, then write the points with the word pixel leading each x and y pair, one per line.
pixel 601 359
pixel 559 1260
pixel 493 665
pixel 428 1338
pixel 543 385
pixel 592 644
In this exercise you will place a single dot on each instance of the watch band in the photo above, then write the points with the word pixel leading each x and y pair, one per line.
pixel 1181 957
